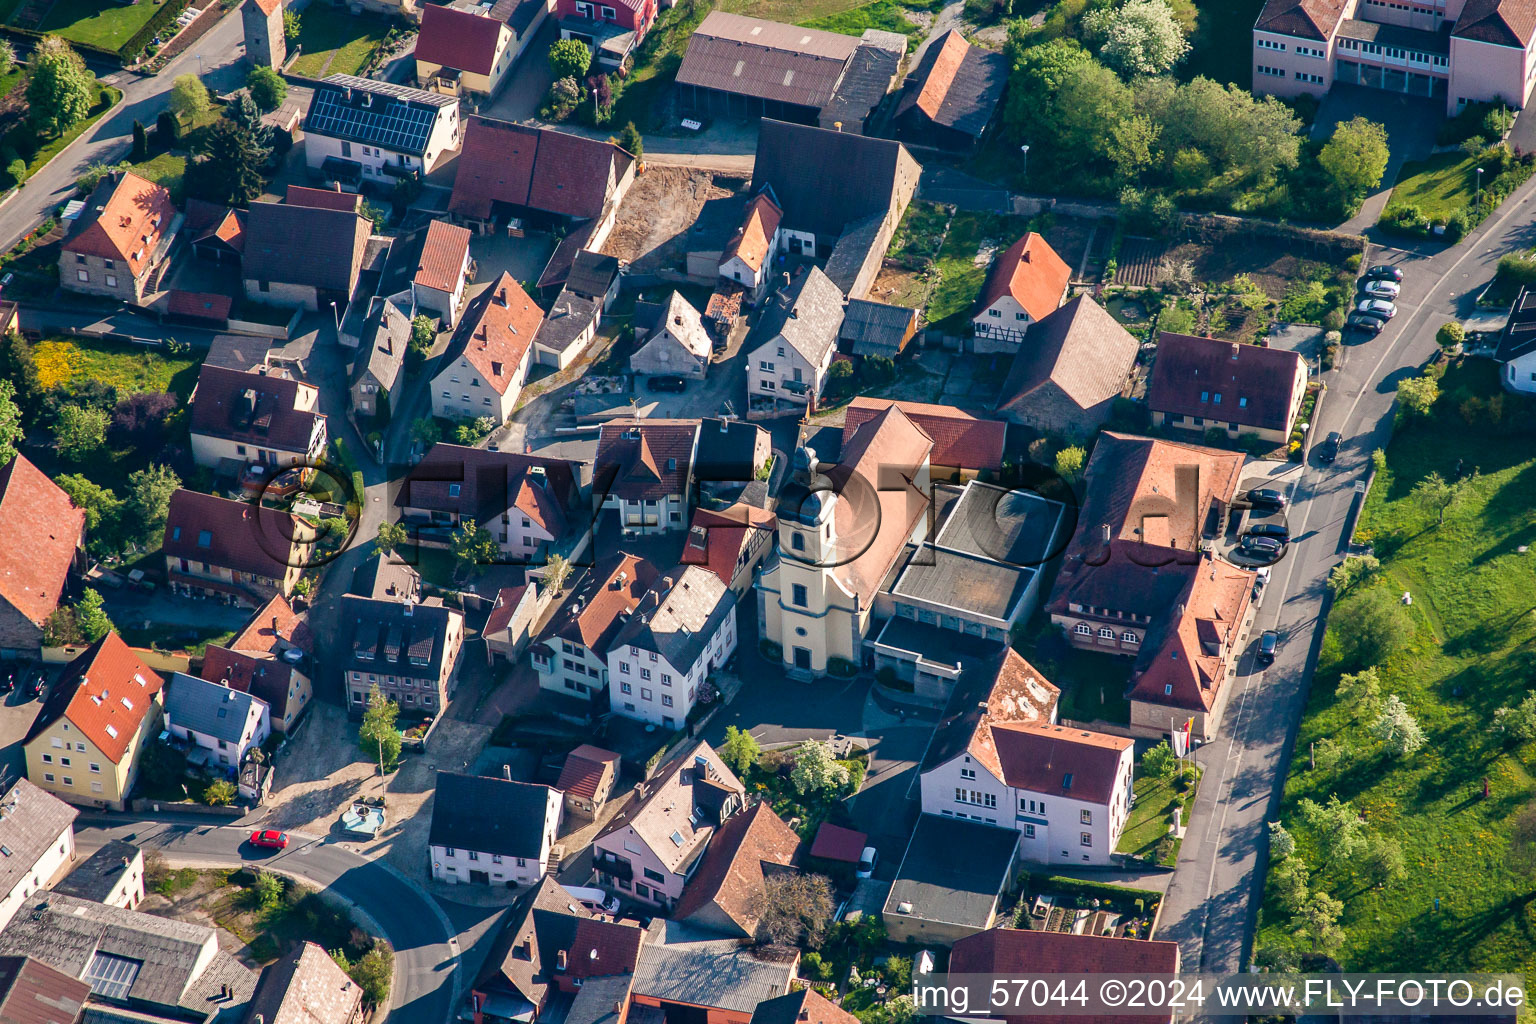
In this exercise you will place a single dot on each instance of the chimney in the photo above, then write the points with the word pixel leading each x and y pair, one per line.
pixel 1025 258
pixel 506 772
pixel 560 960
pixel 275 630
pixel 1105 533
pixel 1235 347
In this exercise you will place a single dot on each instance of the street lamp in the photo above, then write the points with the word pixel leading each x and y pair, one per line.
pixel 1479 183
pixel 1024 160
pixel 336 319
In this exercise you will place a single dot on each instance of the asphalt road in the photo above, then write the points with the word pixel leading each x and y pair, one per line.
pixel 426 946
pixel 1218 885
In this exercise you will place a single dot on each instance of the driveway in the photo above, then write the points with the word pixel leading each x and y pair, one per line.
pixel 1411 122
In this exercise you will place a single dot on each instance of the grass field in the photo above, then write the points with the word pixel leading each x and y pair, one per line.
pixel 164 169
pixel 960 274
pixel 1473 650
pixel 335 42
pixel 1438 186
pixel 887 15
pixel 1148 821
pixel 126 367
pixel 105 23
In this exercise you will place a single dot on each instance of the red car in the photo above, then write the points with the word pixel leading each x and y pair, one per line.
pixel 270 838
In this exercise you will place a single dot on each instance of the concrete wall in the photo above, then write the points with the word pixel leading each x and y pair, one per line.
pixel 278 293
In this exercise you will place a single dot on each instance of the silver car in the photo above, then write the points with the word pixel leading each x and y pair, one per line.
pixel 1380 289
pixel 1379 308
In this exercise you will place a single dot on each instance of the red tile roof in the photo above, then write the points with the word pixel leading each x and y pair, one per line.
pixel 274 627
pixel 507 600
pixel 202 305
pixel 807 1006
pixel 267 6
pixel 601 949
pixel 952 51
pixel 444 254
pixel 960 440
pixel 833 842
pixel 105 693
pixel 1191 649
pixel 225 224
pixel 538 168
pixel 458 39
pixel 497 331
pixel 323 199
pixel 1010 951
pixel 888 447
pixel 42 530
pixel 1502 22
pixel 123 221
pixel 1224 380
pixel 1032 273
pixel 718 541
pixel 753 238
pixel 739 857
pixel 229 534
pixel 489 483
pixel 1020 694
pixel 590 616
pixel 639 459
pixel 1059 761
pixel 1308 19
pixel 584 770
pixel 261 675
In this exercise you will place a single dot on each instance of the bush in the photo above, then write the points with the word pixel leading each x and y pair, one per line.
pixel 1405 219
pixel 1450 334
pixel 267 87
pixel 1352 263
pixel 569 58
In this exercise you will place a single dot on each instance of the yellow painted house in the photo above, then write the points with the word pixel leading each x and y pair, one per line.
pixel 84 746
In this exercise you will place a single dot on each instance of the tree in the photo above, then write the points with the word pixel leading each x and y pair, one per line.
pixel 816 770
pixel 140 419
pixel 373 972
pixel 1371 628
pixel 630 141
pixel 7 56
pixel 473 546
pixel 96 173
pixel 90 617
pixel 1397 729
pixel 246 115
pixel 100 505
pixel 1383 861
pixel 1451 334
pixel 1255 138
pixel 1281 843
pixel 1290 878
pixel 425 431
pixel 149 500
pixel 1520 854
pixel 1361 689
pixel 1518 722
pixel 19 366
pixel 1336 828
pixel 167 129
pixel 740 749
pixel 898 973
pixel 1417 395
pixel 267 890
pixel 140 151
pixel 80 431
pixel 877 370
pixel 189 98
pixel 377 736
pixel 10 422
pixel 1140 37
pixel 569 58
pixel 391 537
pixel 1159 762
pixel 791 908
pixel 291 25
pixel 1434 494
pixel 60 90
pixel 1354 569
pixel 839 378
pixel 1320 921
pixel 228 170
pixel 1038 73
pixel 267 87
pixel 423 334
pixel 220 793
pixel 1355 158
pixel 557 570
pixel 1069 463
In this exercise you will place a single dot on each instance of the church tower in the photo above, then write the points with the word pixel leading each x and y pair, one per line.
pixel 263 23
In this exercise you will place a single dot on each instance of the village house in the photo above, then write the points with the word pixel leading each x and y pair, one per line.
pixel 731 543
pixel 113 875
pixel 651 851
pixel 792 346
pixel 44 536
pixel 571 654
pixel 85 743
pixel 804 1005
pixel 379 360
pixel 964 446
pixel 442 271
pixel 947 101
pixel 487 362
pixel 122 237
pixel 594 276
pixel 1072 366
pixel 747 259
pixel 26 984
pixel 261 416
pixel 721 980
pixel 733 455
pixel 939 898
pixel 265 659
pixel 39 831
pixel 361 130
pixel 305 986
pixel 683 629
pixel 409 651
pixel 587 779
pixel 508 629
pixel 612 29
pixel 569 327
pixel 1026 284
pixel 673 341
pixel 528 503
pixel 220 724
pixel 465 48
pixel 303 255
pixel 489 831
pixel 236 552
pixel 643 470
pixel 216 232
pixel 876 328
pixel 743 854
pixel 1203 384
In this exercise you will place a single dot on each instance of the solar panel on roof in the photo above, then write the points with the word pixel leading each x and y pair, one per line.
pixel 389 122
pixel 111 977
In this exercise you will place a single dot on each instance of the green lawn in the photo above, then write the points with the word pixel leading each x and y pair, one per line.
pixel 104 23
pixel 960 276
pixel 126 367
pixel 920 233
pixel 1472 651
pixel 335 42
pixel 1438 186
pixel 164 169
pixel 887 15
pixel 1149 819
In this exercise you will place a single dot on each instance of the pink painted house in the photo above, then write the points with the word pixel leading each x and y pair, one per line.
pixel 649 854
pixel 1461 51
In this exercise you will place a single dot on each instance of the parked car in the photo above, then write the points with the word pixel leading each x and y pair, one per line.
pixel 1329 449
pixel 7 677
pixel 1379 308
pixel 1383 272
pixel 1380 289
pixel 1364 322
pixel 270 839
pixel 1268 644
pixel 867 861
pixel 1261 549
pixel 1278 530
pixel 667 384
pixel 1260 581
pixel 595 900
pixel 36 680
pixel 1266 497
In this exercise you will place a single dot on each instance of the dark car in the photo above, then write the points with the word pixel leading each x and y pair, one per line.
pixel 1364 322
pixel 1261 549
pixel 7 677
pixel 1329 449
pixel 1382 272
pixel 1278 530
pixel 1266 497
pixel 667 384
pixel 1268 644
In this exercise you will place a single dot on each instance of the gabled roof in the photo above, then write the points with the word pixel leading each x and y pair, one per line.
pixel 541 922
pixel 386 338
pixel 199 305
pixel 480 484
pixel 255 407
pixel 207 222
pixel 1005 689
pixel 274 627
pixel 752 240
pixel 31 992
pixel 1501 22
pixel 584 769
pixel 323 198
pixel 1190 648
pixel 209 707
pixel 806 1006
pixel 1079 349
pixel 595 612
pixel 679 616
pixel 496 332
pixel 1031 272
pixel 716 975
pixel 876 328
pixel 1058 761
pixel 490 815
pixel 833 842
pixel 719 541
pixel 538 168
pixel 444 255
pixel 807 314
pixel 507 601
pixel 638 459
pixel 742 854
pixel 956 85
pixel 1519 335
pixel 602 949
pixel 458 39
pixel 768 60
pixel 398 637
pixel 306 986
pixel 267 6
pixel 960 440
pixel 265 676
pixel 1223 380
pixel 823 179
pixel 304 245
pixel 124 219
pixel 230 534
pixel 591 273
pixel 42 528
pixel 682 322
pixel 30 826
pixel 1306 19
pixel 691 796
pixel 396 117
pixel 105 693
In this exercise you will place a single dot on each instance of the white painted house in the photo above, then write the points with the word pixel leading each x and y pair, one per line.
pixel 224 722
pixel 483 371
pixel 361 130
pixel 489 831
pixel 37 831
pixel 793 344
pixel 1517 345
pixel 644 472
pixel 683 629
pixel 1026 284
pixel 747 259
pixel 571 654
pixel 675 343
pixel 442 271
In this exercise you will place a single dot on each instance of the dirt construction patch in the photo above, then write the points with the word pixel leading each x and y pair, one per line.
pixel 662 210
